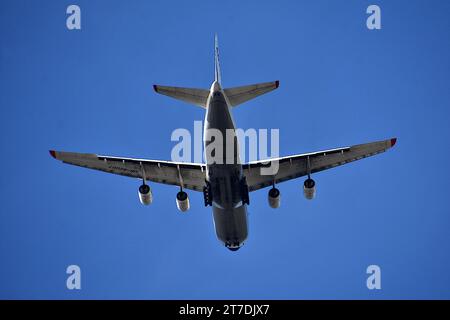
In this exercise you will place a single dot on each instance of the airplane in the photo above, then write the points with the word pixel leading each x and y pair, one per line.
pixel 225 186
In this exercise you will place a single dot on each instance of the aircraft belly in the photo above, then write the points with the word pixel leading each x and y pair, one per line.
pixel 225 176
pixel 231 225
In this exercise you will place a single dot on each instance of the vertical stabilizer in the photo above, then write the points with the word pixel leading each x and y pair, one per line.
pixel 217 74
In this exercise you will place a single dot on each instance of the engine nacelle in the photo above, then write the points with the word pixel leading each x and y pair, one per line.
pixel 183 201
pixel 274 198
pixel 145 194
pixel 309 189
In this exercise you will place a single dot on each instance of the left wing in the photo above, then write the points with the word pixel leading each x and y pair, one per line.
pixel 191 175
pixel 292 167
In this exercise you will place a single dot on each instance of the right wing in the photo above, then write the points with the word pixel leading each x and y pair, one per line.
pixel 192 174
pixel 292 167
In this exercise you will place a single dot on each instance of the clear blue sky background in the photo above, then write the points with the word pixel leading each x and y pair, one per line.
pixel 341 84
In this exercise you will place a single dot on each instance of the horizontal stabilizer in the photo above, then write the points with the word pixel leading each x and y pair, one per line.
pixel 239 95
pixel 193 96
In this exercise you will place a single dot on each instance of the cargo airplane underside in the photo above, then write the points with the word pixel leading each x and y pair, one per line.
pixel 225 186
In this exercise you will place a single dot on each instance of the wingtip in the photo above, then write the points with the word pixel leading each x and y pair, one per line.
pixel 393 141
pixel 277 84
pixel 52 153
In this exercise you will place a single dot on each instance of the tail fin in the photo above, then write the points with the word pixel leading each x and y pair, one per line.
pixel 217 74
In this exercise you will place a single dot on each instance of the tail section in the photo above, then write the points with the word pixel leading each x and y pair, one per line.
pixel 199 97
pixel 217 74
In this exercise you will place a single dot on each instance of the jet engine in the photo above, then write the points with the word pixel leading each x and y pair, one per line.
pixel 274 198
pixel 309 189
pixel 145 194
pixel 182 201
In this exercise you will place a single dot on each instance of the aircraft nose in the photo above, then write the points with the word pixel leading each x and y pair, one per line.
pixel 233 246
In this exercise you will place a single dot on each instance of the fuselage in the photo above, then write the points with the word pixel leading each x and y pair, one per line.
pixel 224 171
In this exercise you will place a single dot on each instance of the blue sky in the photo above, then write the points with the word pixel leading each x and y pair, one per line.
pixel 341 84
